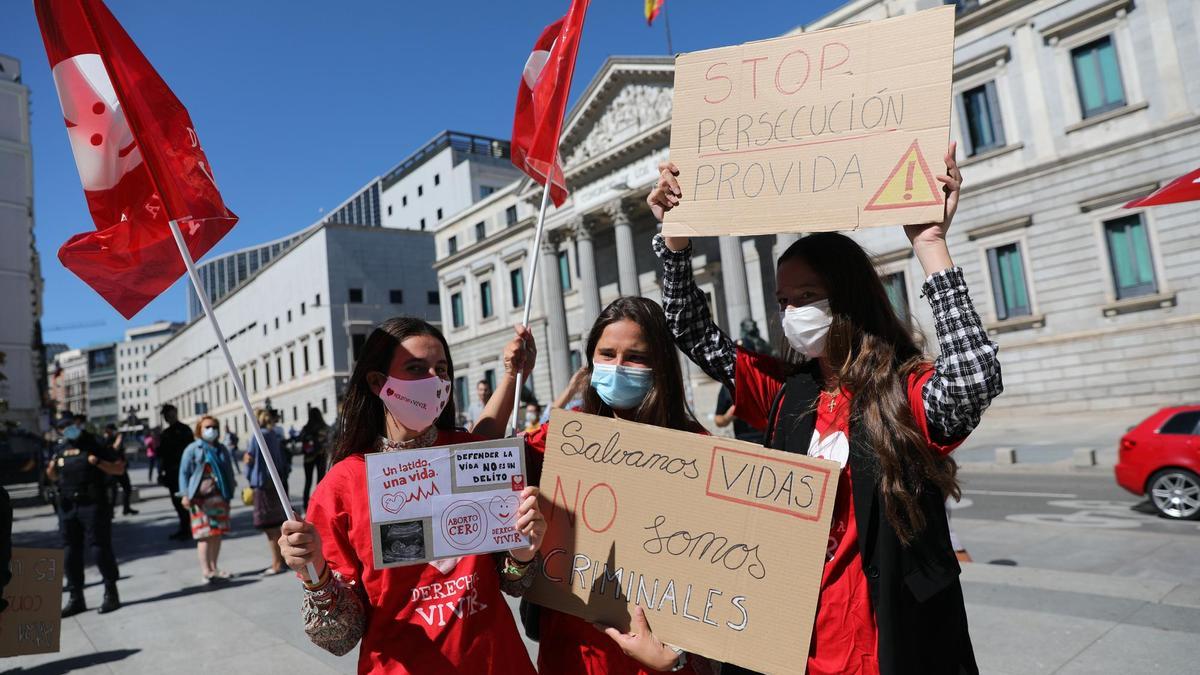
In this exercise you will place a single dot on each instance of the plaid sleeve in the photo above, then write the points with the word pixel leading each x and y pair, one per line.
pixel 696 334
pixel 966 374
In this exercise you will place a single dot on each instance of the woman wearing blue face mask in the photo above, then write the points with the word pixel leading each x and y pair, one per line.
pixel 206 483
pixel 633 374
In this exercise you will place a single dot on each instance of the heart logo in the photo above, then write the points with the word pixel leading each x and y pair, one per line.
pixel 445 565
pixel 503 509
pixel 390 392
pixel 392 503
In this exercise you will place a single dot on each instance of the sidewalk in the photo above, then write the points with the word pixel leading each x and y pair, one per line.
pixel 1023 620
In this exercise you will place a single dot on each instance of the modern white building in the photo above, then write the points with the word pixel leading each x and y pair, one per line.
pixel 444 176
pixel 295 328
pixel 22 363
pixel 1063 109
pixel 136 394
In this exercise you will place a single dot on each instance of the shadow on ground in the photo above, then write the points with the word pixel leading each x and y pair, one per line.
pixel 75 663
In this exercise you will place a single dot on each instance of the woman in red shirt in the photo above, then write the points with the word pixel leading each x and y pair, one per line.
pixel 632 373
pixel 860 392
pixel 446 616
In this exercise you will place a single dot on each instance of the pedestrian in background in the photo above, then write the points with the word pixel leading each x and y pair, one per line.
pixel 533 417
pixel 79 468
pixel 314 439
pixel 269 512
pixel 116 441
pixel 174 439
pixel 151 443
pixel 207 478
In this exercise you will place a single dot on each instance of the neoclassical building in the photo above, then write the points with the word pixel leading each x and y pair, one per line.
pixel 1063 111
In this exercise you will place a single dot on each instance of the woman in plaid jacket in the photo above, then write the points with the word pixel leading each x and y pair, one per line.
pixel 859 391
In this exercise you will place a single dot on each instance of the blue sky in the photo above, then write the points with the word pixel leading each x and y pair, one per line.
pixel 299 103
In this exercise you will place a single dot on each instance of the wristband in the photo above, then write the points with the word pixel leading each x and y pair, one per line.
pixel 322 579
pixel 680 658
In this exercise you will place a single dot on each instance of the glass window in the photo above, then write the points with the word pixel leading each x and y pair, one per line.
pixel 480 231
pixel 433 298
pixel 267 372
pixel 437 179
pixel 1183 423
pixel 452 244
pixel 396 296
pixel 510 215
pixel 439 214
pixel 356 295
pixel 356 343
pixel 460 393
pixel 1129 257
pixel 485 191
pixel 306 368
pixel 576 360
pixel 1098 77
pixel 564 270
pixel 422 224
pixel 489 376
pixel 1008 282
pixel 404 200
pixel 981 108
pixel 485 299
pixel 317 300
pixel 897 292
pixel 321 353
pixel 420 190
pixel 289 315
pixel 389 209
pixel 456 310
pixel 292 364
pixel 516 283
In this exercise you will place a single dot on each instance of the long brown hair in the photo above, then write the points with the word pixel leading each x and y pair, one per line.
pixel 665 405
pixel 874 355
pixel 363 417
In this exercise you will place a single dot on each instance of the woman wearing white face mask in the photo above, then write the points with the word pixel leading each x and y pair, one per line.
pixel 206 482
pixel 633 374
pixel 862 394
pixel 446 616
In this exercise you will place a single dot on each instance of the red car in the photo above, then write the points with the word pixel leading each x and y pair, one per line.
pixel 1161 457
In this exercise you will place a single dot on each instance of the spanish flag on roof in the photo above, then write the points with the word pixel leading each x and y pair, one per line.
pixel 653 7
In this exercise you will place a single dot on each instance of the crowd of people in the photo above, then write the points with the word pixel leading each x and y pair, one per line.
pixel 850 385
pixel 88 475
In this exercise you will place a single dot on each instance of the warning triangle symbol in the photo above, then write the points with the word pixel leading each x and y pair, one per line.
pixel 909 184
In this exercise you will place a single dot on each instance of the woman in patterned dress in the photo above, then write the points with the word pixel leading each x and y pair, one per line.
pixel 206 482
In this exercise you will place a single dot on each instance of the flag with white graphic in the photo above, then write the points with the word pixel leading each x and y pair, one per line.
pixel 138 155
pixel 1186 188
pixel 542 100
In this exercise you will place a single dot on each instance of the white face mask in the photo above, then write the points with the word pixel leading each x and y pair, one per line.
pixel 530 418
pixel 416 404
pixel 209 434
pixel 807 327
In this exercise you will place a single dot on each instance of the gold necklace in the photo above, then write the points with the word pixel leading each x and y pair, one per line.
pixel 833 395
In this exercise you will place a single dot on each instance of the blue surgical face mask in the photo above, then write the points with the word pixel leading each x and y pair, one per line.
pixel 72 432
pixel 621 387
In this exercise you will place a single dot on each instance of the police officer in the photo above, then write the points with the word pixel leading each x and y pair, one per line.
pixel 80 467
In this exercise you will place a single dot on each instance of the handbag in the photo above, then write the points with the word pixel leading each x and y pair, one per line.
pixel 248 496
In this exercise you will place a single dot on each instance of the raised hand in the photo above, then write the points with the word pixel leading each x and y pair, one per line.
pixel 529 523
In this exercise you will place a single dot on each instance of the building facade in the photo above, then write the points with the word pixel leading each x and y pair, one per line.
pixel 22 363
pixel 136 394
pixel 102 391
pixel 1064 110
pixel 295 328
pixel 444 176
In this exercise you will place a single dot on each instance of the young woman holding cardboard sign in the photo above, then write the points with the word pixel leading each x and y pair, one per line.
pixel 446 616
pixel 860 392
pixel 632 373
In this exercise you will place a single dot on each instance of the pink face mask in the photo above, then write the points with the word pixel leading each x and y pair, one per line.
pixel 415 404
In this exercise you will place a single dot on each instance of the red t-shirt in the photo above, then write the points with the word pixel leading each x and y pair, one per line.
pixel 420 619
pixel 845 638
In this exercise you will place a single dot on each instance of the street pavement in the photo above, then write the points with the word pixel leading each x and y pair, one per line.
pixel 1069 578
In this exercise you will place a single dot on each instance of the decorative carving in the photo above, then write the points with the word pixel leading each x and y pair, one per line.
pixel 616 212
pixel 582 229
pixel 636 108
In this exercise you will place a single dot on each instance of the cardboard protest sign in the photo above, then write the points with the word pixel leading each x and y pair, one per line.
pixel 32 622
pixel 721 542
pixel 831 130
pixel 445 502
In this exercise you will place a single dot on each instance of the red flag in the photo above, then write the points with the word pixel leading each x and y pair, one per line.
pixel 138 156
pixel 1183 189
pixel 542 99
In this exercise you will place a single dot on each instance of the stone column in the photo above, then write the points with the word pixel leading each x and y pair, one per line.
pixel 782 242
pixel 733 278
pixel 627 276
pixel 558 350
pixel 590 286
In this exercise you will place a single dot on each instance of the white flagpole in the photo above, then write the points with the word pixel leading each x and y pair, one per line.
pixel 533 267
pixel 237 380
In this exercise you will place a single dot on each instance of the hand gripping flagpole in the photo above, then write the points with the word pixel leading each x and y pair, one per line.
pixel 534 256
pixel 237 380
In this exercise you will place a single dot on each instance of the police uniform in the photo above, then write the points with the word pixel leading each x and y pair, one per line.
pixel 83 509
